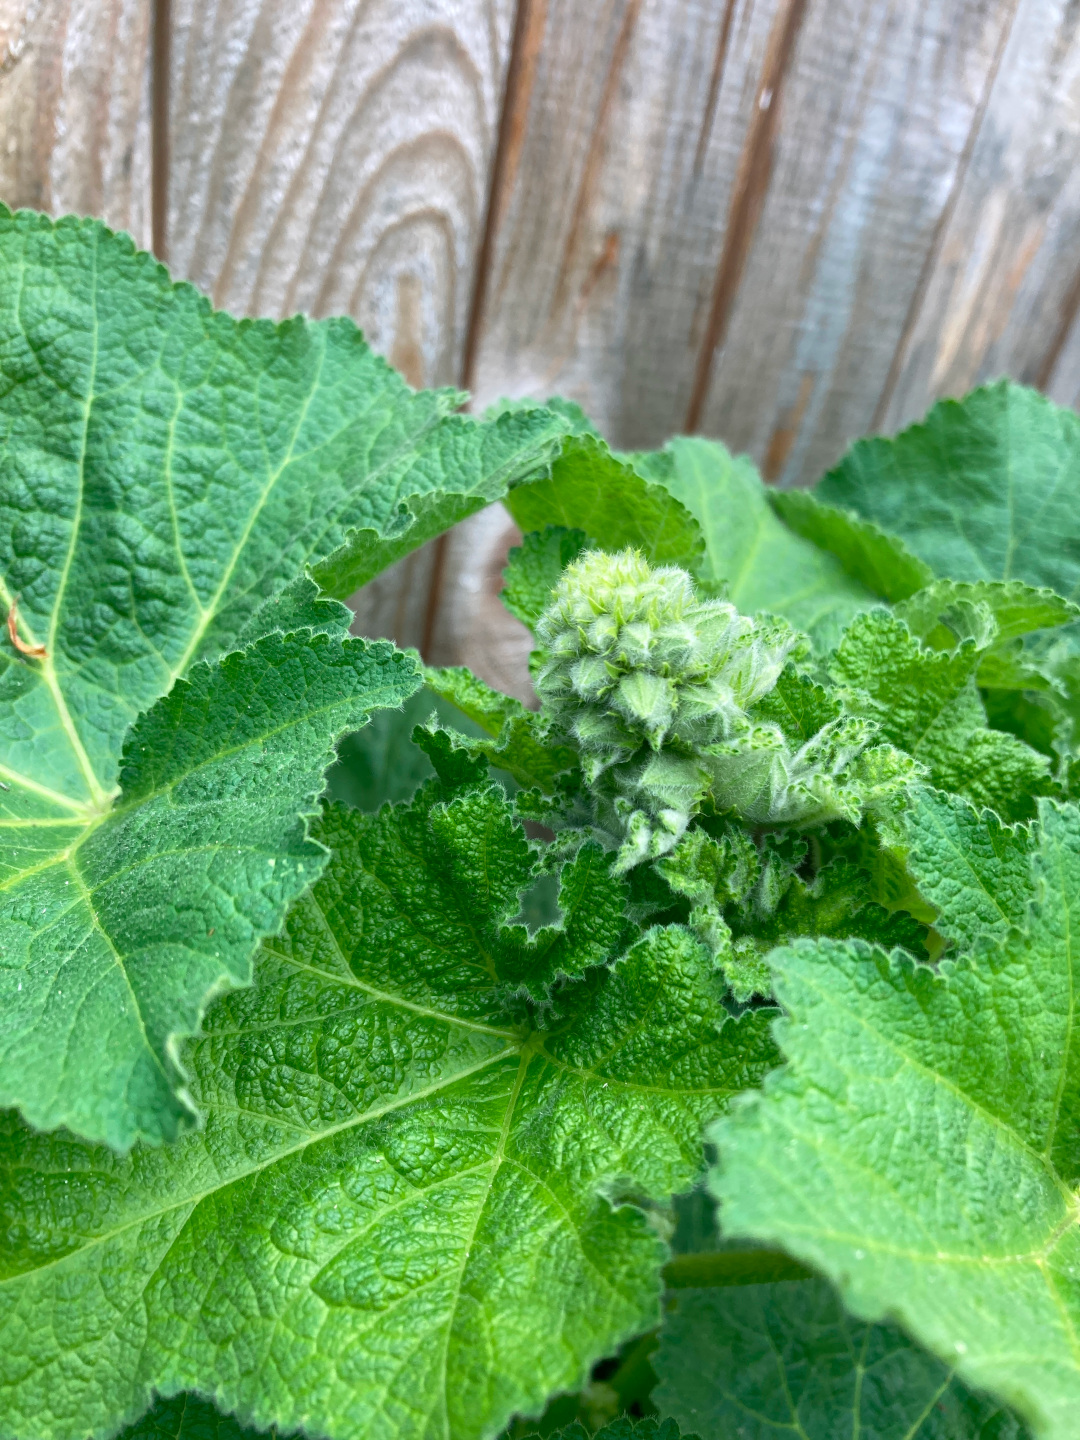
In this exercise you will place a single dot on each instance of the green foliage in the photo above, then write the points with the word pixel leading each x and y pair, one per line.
pixel 594 491
pixel 656 689
pixel 515 740
pixel 921 1147
pixel 769 1361
pixel 166 468
pixel 382 762
pixel 750 554
pixel 975 871
pixel 533 569
pixel 187 1417
pixel 383 1118
pixel 983 489
pixel 118 926
pixel 926 702
pixel 401 1159
pixel 879 561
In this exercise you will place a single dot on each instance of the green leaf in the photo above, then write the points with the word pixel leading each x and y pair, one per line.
pixel 623 1427
pixel 533 569
pixel 187 1417
pixel 922 1147
pixel 117 928
pixel 164 470
pixel 925 701
pixel 836 902
pixel 986 488
pixel 996 614
pixel 938 614
pixel 517 744
pixel 592 490
pixel 798 705
pixel 748 549
pixel 763 1362
pixel 880 562
pixel 399 1172
pixel 974 870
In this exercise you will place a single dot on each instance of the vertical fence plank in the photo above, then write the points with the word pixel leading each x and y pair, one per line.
pixel 769 176
pixel 1004 291
pixel 332 157
pixel 624 176
pixel 879 109
pixel 75 109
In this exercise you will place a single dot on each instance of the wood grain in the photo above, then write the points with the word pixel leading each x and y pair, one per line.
pixel 721 212
pixel 610 224
pixel 331 156
pixel 879 109
pixel 75 108
pixel 1003 294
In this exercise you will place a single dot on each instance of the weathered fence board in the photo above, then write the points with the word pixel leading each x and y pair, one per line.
pixel 877 111
pixel 611 217
pixel 75 108
pixel 780 221
pixel 332 156
pixel 1005 288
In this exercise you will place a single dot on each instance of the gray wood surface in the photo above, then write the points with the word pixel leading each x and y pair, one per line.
pixel 1003 293
pixel 75 108
pixel 783 222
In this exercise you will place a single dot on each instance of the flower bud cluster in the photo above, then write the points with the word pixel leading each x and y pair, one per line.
pixel 655 686
pixel 633 658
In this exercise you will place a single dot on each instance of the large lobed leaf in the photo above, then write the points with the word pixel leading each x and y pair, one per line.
pixel 922 1147
pixel 985 488
pixel 164 469
pixel 762 1362
pixel 117 927
pixel 405 1215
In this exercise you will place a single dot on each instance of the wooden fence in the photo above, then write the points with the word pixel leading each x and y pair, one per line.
pixel 783 222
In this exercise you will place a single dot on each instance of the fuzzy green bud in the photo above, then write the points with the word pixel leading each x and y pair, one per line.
pixel 634 658
pixel 656 687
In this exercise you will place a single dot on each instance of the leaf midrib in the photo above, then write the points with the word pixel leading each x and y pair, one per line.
pixel 207 614
pixel 398 1102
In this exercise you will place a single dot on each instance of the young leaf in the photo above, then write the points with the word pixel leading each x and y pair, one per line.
pixel 996 614
pixel 592 490
pixel 117 927
pixel 985 488
pixel 835 903
pixel 974 870
pixel 516 744
pixel 533 569
pixel 381 762
pixel 750 552
pixel 188 1417
pixel 925 701
pixel 399 1172
pixel 937 614
pixel 922 1147
pixel 623 1427
pixel 766 1362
